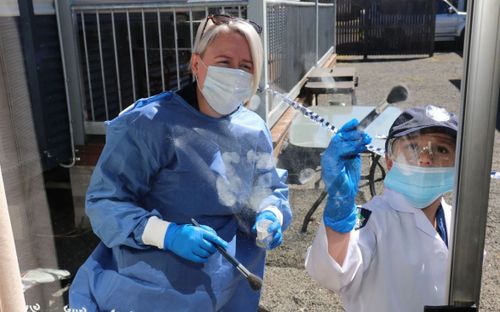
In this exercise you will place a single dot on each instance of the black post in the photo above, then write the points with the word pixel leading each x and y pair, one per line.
pixel 366 30
pixel 432 26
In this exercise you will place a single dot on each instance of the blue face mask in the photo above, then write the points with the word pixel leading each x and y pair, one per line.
pixel 421 186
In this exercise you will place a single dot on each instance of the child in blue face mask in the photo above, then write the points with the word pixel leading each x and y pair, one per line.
pixel 391 254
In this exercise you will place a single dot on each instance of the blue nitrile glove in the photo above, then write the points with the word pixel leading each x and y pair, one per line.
pixel 341 171
pixel 191 242
pixel 274 228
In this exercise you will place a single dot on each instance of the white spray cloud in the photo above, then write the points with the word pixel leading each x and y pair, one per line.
pixel 263 161
pixel 229 187
pixel 261 189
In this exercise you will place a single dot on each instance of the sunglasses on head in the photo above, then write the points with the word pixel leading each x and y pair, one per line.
pixel 219 19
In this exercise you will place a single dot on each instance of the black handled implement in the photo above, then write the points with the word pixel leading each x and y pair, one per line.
pixel 398 93
pixel 254 281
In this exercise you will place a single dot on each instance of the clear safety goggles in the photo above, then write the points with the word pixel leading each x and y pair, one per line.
pixel 423 150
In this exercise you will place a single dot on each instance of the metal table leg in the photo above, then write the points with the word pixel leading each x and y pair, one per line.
pixel 313 208
pixel 371 176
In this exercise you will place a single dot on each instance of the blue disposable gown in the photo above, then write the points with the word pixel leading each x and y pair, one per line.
pixel 164 158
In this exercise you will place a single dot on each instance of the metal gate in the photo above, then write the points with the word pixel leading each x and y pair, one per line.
pixel 118 51
pixel 383 27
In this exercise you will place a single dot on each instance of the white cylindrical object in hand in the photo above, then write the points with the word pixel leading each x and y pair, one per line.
pixel 264 238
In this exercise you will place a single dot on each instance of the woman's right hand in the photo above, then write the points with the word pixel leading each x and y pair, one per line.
pixel 192 243
pixel 341 171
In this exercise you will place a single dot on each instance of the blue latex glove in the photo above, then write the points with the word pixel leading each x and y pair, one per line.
pixel 192 243
pixel 341 171
pixel 274 228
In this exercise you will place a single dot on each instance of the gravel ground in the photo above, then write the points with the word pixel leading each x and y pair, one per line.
pixel 436 79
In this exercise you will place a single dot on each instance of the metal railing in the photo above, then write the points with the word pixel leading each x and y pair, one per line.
pixel 388 28
pixel 130 50
pixel 292 39
pixel 298 32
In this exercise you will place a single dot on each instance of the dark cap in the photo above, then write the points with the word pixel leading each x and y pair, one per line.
pixel 423 119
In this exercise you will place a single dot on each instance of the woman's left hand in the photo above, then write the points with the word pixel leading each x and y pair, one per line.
pixel 274 229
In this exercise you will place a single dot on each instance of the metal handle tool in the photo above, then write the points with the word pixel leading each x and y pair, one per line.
pixel 254 281
pixel 398 93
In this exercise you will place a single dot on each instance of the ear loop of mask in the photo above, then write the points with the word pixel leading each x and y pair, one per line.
pixel 196 75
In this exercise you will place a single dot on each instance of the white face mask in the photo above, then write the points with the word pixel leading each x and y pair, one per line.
pixel 225 89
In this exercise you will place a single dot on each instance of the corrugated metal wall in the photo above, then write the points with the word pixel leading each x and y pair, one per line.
pixel 135 70
pixel 43 67
pixel 56 147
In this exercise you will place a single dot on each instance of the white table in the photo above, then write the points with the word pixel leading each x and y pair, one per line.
pixel 305 133
pixel 308 134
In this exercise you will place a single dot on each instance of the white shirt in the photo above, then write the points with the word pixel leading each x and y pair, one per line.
pixel 396 262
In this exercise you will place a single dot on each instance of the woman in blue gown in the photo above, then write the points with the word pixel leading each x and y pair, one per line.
pixel 196 153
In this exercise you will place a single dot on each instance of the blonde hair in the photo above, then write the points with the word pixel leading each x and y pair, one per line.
pixel 211 31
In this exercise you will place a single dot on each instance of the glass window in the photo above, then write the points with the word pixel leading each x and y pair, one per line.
pixel 162 192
